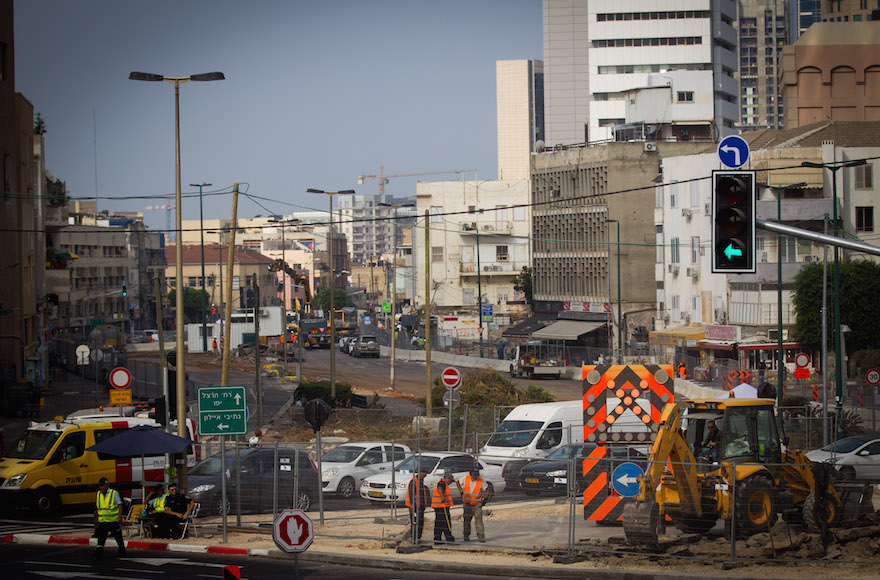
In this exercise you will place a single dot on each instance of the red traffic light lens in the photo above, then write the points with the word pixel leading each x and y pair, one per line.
pixel 732 221
pixel 732 190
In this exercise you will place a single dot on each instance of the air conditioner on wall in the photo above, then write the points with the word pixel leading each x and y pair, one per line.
pixel 693 272
pixel 488 228
pixel 707 209
pixel 686 213
pixel 673 269
pixel 650 147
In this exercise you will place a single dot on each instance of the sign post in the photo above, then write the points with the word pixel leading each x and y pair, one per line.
pixel 450 377
pixel 222 411
pixel 293 532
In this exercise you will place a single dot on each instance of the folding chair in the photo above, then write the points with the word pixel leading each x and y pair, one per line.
pixel 134 521
pixel 186 525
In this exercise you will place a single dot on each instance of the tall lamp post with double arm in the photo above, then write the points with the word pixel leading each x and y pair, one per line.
pixel 181 375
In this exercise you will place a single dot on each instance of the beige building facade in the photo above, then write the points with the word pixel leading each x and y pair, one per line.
pixel 519 93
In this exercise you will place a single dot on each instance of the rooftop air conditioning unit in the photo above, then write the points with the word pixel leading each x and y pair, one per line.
pixel 673 269
pixel 650 147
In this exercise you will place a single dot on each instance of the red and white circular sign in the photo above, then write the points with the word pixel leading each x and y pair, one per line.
pixel 120 378
pixel 293 531
pixel 802 360
pixel 451 377
pixel 873 377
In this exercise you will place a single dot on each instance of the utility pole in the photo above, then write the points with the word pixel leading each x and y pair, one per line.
pixel 428 315
pixel 259 379
pixel 227 311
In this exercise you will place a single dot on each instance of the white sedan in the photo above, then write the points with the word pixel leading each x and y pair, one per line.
pixel 346 466
pixel 379 487
pixel 854 457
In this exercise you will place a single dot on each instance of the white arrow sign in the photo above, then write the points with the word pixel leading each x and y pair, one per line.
pixel 627 479
pixel 237 399
pixel 222 426
pixel 735 151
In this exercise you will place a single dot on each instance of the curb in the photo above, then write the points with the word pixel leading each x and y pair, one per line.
pixel 39 539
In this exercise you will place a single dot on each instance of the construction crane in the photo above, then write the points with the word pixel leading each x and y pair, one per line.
pixel 383 179
pixel 168 211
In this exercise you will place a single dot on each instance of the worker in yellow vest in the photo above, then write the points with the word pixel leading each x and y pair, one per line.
pixel 417 501
pixel 108 516
pixel 473 497
pixel 441 503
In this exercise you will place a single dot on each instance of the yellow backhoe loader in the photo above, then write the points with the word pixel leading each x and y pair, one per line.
pixel 753 479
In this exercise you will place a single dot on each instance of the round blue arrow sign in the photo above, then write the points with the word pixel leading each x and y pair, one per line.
pixel 624 479
pixel 733 151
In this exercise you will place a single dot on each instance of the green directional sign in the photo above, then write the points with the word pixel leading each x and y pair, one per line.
pixel 386 306
pixel 222 411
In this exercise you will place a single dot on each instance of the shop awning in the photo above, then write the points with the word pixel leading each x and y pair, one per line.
pixel 717 344
pixel 525 328
pixel 688 335
pixel 567 329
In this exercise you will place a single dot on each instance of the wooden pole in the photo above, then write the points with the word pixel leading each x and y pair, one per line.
pixel 227 312
pixel 427 313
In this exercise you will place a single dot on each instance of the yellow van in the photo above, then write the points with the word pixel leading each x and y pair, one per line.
pixel 48 466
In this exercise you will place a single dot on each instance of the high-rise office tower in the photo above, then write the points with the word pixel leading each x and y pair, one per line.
pixel 762 29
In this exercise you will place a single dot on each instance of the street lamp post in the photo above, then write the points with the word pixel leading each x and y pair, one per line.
pixel 332 289
pixel 202 242
pixel 780 362
pixel 619 299
pixel 838 331
pixel 181 374
pixel 394 286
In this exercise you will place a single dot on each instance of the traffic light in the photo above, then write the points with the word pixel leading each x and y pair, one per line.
pixel 365 290
pixel 124 290
pixel 733 222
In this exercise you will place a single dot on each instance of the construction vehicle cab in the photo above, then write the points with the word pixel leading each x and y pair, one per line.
pixel 755 479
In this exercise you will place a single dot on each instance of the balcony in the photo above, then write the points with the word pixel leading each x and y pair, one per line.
pixel 485 228
pixel 491 268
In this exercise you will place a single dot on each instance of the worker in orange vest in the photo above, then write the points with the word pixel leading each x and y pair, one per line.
pixel 473 497
pixel 214 345
pixel 682 371
pixel 441 503
pixel 417 501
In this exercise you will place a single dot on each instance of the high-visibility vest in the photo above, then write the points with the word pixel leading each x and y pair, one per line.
pixel 214 343
pixel 441 499
pixel 472 490
pixel 108 506
pixel 417 488
pixel 159 504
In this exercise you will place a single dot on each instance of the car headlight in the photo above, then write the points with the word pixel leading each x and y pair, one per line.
pixel 202 488
pixel 521 452
pixel 15 480
pixel 331 472
pixel 558 473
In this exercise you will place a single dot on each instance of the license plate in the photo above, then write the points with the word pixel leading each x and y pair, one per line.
pixel 532 480
pixel 561 480
pixel 376 494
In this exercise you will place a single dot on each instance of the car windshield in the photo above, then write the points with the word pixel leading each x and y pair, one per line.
pixel 343 454
pixel 410 463
pixel 33 444
pixel 514 433
pixel 565 452
pixel 210 466
pixel 844 446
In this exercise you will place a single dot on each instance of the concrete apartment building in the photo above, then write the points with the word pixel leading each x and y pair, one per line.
pixel 594 51
pixel 368 225
pixel 762 28
pixel 848 10
pixel 485 247
pixel 832 73
pixel 689 297
pixel 519 96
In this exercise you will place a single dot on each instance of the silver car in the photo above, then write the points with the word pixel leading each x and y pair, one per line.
pixel 366 345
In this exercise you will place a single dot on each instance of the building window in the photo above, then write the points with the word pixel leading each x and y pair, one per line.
pixel 865 219
pixel 695 250
pixel 436 254
pixel 685 96
pixel 501 254
pixel 673 251
pixel 865 176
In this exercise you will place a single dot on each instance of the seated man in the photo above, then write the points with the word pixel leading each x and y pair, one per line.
pixel 710 445
pixel 172 509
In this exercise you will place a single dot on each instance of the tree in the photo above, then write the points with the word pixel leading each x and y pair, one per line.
pixel 322 299
pixel 39 125
pixel 859 304
pixel 523 283
pixel 192 303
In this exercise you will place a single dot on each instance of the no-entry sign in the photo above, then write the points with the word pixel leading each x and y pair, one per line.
pixel 120 378
pixel 451 377
pixel 293 531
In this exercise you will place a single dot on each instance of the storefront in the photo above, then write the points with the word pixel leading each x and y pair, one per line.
pixel 681 340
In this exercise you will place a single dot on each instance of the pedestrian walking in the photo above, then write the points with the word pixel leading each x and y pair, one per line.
pixel 417 501
pixel 441 503
pixel 472 497
pixel 108 516
pixel 256 440
pixel 500 347
pixel 214 346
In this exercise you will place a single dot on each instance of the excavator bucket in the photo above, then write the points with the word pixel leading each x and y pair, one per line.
pixel 641 522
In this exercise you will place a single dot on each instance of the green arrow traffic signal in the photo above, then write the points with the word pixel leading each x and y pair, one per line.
pixel 730 251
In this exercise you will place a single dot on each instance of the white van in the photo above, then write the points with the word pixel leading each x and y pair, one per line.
pixel 532 431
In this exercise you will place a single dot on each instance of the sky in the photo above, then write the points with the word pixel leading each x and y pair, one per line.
pixel 316 94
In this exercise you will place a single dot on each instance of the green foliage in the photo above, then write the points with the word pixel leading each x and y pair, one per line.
pixel 488 387
pixel 192 302
pixel 523 283
pixel 538 394
pixel 321 390
pixel 322 299
pixel 796 405
pixel 862 361
pixel 859 303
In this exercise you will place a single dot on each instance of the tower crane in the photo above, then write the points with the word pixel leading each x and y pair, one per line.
pixel 383 178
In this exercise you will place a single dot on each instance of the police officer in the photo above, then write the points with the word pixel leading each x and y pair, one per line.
pixel 108 516
pixel 416 501
pixel 441 503
pixel 472 491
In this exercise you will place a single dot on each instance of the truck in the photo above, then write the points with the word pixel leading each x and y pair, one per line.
pixel 538 359
pixel 315 333
pixel 756 477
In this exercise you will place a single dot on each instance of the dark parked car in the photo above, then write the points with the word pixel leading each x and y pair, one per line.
pixel 551 474
pixel 257 481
